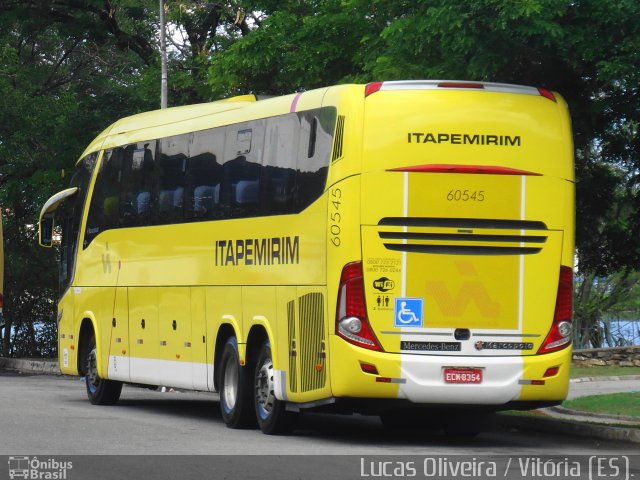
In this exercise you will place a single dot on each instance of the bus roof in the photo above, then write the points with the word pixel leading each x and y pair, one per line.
pixel 157 118
pixel 148 125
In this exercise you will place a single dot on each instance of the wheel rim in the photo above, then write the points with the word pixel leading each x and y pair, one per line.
pixel 230 385
pixel 265 396
pixel 92 371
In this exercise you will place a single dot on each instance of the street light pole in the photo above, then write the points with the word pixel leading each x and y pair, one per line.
pixel 163 56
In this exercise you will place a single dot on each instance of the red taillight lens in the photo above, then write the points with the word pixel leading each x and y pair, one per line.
pixel 551 372
pixel 352 323
pixel 475 169
pixel 564 301
pixel 561 330
pixel 1 302
pixel 547 94
pixel 460 85
pixel 372 87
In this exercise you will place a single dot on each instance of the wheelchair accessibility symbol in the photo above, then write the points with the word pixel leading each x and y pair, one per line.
pixel 408 312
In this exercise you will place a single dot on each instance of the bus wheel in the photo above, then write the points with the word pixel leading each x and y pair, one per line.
pixel 273 418
pixel 235 388
pixel 99 390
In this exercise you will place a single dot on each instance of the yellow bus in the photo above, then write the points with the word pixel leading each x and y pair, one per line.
pixel 394 247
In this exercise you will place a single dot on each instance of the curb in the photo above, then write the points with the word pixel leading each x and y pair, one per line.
pixel 31 365
pixel 552 425
pixel 621 419
pixel 605 379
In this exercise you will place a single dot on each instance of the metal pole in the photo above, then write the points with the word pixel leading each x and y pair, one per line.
pixel 163 56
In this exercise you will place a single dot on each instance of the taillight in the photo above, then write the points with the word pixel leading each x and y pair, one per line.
pixel 352 323
pixel 547 94
pixel 560 333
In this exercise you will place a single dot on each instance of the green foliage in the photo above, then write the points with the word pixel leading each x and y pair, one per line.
pixel 601 299
pixel 293 50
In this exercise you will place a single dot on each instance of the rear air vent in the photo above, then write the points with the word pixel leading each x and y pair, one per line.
pixel 463 236
pixel 312 342
pixel 339 137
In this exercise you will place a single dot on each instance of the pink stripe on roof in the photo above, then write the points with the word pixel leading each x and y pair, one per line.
pixel 295 102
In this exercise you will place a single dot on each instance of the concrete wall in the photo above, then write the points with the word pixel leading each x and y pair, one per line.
pixel 599 357
pixel 47 366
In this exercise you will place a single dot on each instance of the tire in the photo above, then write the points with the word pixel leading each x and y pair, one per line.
pixel 235 389
pixel 99 390
pixel 272 416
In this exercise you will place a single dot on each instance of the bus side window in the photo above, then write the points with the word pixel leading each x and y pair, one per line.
pixel 105 203
pixel 316 141
pixel 204 174
pixel 279 161
pixel 137 184
pixel 171 178
pixel 240 187
pixel 242 169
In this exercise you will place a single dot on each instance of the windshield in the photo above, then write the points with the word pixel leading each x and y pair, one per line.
pixel 69 218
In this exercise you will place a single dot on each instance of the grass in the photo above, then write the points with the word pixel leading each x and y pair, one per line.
pixel 580 372
pixel 626 403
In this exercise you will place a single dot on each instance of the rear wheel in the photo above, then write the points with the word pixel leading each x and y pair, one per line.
pixel 235 388
pixel 99 390
pixel 273 418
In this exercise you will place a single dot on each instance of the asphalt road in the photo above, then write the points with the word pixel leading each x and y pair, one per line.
pixel 51 415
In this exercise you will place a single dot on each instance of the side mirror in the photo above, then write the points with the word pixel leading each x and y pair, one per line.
pixel 46 224
pixel 45 233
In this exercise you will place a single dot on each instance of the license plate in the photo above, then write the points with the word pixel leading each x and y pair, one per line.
pixel 463 375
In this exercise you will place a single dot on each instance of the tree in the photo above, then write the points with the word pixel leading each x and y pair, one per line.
pixel 296 47
pixel 599 299
pixel 62 80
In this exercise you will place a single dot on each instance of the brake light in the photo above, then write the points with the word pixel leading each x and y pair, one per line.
pixel 559 335
pixel 460 85
pixel 475 169
pixel 352 323
pixel 372 87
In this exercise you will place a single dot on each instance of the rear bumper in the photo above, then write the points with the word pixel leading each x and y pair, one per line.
pixel 419 378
